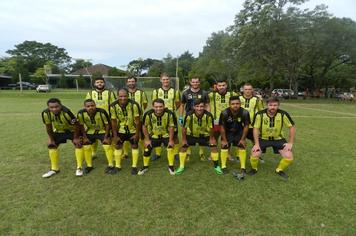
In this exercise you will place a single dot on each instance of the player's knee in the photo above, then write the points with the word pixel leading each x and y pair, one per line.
pixel 225 146
pixel 288 155
pixel 256 153
pixel 134 145
pixel 214 149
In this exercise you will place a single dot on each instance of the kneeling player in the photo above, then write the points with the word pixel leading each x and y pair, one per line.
pixel 125 122
pixel 198 128
pixel 61 125
pixel 95 126
pixel 234 122
pixel 267 132
pixel 158 128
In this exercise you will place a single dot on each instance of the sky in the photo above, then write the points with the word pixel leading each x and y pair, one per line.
pixel 114 32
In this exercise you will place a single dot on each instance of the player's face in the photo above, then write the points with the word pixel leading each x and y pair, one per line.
pixel 248 90
pixel 122 96
pixel 195 83
pixel 199 109
pixel 235 105
pixel 272 107
pixel 165 81
pixel 99 84
pixel 55 108
pixel 131 83
pixel 158 108
pixel 221 87
pixel 90 107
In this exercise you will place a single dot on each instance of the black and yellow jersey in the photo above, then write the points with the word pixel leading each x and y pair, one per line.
pixel 218 103
pixel 140 97
pixel 271 128
pixel 95 124
pixel 252 105
pixel 158 126
pixel 234 123
pixel 61 123
pixel 125 116
pixel 102 99
pixel 189 96
pixel 170 97
pixel 198 126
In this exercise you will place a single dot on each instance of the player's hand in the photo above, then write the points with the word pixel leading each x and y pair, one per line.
pixel 242 143
pixel 256 148
pixel 288 146
pixel 181 120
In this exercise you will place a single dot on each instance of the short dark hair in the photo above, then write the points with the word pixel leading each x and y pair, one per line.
pixel 54 100
pixel 195 77
pixel 273 99
pixel 247 84
pixel 198 101
pixel 99 78
pixel 221 81
pixel 123 89
pixel 89 100
pixel 158 100
pixel 233 98
pixel 131 77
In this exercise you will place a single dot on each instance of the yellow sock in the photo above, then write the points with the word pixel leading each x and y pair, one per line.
pixel 54 157
pixel 87 155
pixel 94 148
pixel 158 151
pixel 176 149
pixel 170 156
pixel 126 148
pixel 182 156
pixel 254 162
pixel 283 164
pixel 134 153
pixel 189 151
pixel 241 153
pixel 224 153
pixel 117 155
pixel 146 160
pixel 201 150
pixel 79 156
pixel 215 156
pixel 109 154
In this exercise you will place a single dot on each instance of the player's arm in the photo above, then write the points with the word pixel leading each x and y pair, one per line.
pixel 177 101
pixel 171 129
pixel 107 127
pixel 137 125
pixel 49 130
pixel 146 135
pixel 207 105
pixel 256 132
pixel 184 131
pixel 144 101
pixel 212 139
pixel 246 120
pixel 292 130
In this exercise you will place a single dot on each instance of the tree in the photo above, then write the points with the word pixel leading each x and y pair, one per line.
pixel 36 55
pixel 80 64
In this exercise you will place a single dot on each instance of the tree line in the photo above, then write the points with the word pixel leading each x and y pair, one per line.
pixel 271 43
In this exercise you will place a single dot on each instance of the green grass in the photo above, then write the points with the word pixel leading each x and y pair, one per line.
pixel 319 198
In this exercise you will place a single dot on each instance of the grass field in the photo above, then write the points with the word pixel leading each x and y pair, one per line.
pixel 318 199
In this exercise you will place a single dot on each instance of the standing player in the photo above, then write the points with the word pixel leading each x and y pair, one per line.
pixel 158 128
pixel 95 125
pixel 198 128
pixel 267 132
pixel 234 122
pixel 219 101
pixel 61 125
pixel 138 96
pixel 125 123
pixel 188 97
pixel 102 98
pixel 171 98
pixel 251 103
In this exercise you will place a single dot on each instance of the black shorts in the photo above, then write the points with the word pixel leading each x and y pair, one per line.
pixel 234 139
pixel 250 134
pixel 157 142
pixel 275 144
pixel 202 141
pixel 93 137
pixel 62 137
pixel 126 137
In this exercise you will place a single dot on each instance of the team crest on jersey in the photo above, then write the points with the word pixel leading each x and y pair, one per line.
pixel 230 119
pixel 190 96
pixel 265 121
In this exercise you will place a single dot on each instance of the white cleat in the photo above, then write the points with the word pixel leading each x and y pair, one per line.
pixel 79 172
pixel 171 172
pixel 50 173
